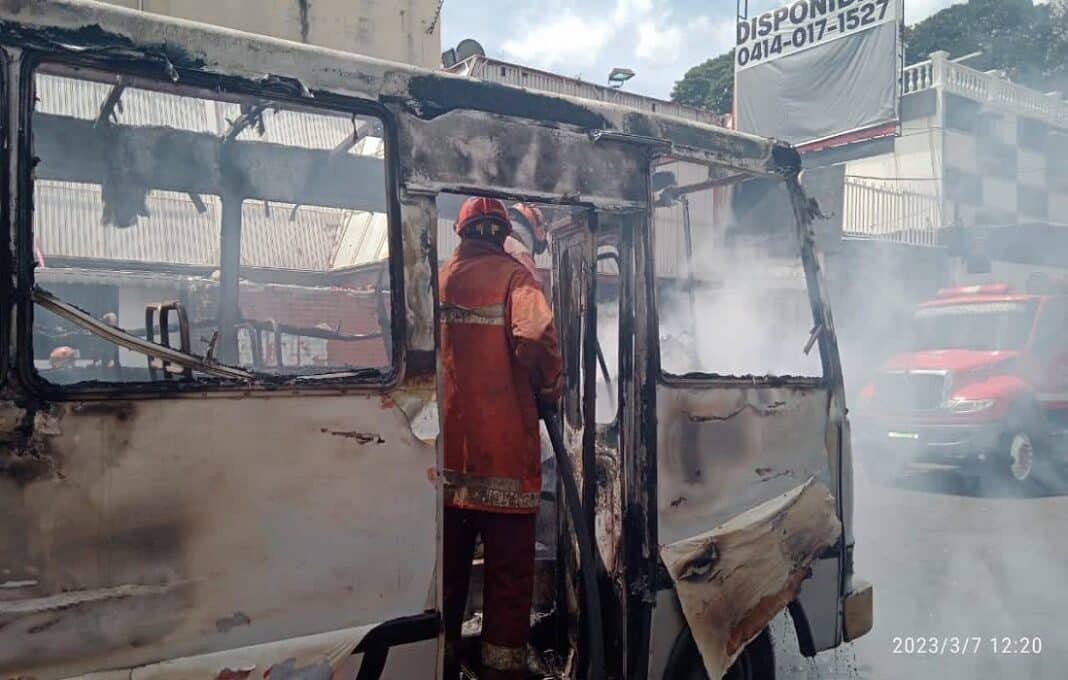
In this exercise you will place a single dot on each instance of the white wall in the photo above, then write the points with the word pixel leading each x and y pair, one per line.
pixel 387 29
pixel 917 157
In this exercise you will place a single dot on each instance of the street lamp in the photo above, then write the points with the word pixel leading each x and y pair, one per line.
pixel 618 76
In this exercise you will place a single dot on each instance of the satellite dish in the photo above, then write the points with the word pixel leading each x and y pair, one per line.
pixel 469 48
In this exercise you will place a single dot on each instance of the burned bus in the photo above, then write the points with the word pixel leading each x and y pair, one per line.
pixel 221 444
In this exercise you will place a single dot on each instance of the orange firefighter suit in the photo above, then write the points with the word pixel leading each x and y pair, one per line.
pixel 499 350
pixel 499 356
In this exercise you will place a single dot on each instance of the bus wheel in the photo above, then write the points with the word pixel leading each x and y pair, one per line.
pixel 756 662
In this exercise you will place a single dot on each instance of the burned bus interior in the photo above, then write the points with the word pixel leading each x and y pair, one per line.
pixel 239 231
pixel 727 256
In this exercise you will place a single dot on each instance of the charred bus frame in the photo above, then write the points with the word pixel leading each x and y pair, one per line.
pixel 444 134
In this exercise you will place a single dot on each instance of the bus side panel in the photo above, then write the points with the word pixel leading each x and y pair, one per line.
pixel 163 529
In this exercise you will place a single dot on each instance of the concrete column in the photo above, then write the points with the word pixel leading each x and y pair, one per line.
pixel 939 64
pixel 939 60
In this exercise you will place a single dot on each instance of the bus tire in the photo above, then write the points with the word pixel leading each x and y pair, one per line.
pixel 756 662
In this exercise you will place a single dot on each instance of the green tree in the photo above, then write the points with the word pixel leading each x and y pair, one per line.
pixel 1014 36
pixel 1057 55
pixel 709 85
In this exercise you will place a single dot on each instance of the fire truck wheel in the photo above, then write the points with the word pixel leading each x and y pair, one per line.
pixel 1021 457
pixel 756 662
pixel 1030 465
pixel 1015 465
pixel 1020 464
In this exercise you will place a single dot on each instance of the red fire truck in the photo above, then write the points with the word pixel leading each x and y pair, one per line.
pixel 983 387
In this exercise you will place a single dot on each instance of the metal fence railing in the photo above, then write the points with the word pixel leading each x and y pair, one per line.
pixel 878 209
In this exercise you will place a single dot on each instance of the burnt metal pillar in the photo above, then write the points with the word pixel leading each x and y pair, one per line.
pixel 229 278
pixel 639 369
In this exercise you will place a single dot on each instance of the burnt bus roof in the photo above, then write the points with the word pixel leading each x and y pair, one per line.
pixel 93 28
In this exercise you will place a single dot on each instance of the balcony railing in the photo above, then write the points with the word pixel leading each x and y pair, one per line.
pixel 990 88
pixel 917 77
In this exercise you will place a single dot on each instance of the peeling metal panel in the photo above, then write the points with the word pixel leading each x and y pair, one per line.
pixel 159 519
pixel 733 580
pixel 725 450
pixel 418 216
pixel 608 518
pixel 26 434
pixel 417 399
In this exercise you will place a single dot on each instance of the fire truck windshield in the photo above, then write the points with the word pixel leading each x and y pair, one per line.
pixel 980 326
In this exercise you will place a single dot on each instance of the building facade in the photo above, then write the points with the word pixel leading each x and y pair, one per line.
pixel 407 31
pixel 974 150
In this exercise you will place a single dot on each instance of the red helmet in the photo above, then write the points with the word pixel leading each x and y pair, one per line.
pixel 483 217
pixel 532 218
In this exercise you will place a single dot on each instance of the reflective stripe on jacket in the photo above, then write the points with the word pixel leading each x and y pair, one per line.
pixel 498 348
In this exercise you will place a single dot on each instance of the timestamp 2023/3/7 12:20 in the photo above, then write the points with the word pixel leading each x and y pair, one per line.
pixel 961 645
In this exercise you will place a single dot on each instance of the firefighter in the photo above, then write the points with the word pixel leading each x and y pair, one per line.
pixel 499 359
pixel 528 237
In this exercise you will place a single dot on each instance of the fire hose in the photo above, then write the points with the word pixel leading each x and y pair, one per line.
pixel 587 556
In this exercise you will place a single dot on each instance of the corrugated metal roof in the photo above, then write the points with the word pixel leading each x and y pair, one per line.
pixel 60 95
pixel 67 224
pixel 67 217
pixel 310 238
pixel 276 235
pixel 364 239
pixel 297 128
pixel 63 96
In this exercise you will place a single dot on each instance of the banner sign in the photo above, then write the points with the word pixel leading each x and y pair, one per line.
pixel 804 24
pixel 816 70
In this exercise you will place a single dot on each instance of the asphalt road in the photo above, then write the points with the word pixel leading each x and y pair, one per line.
pixel 982 574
